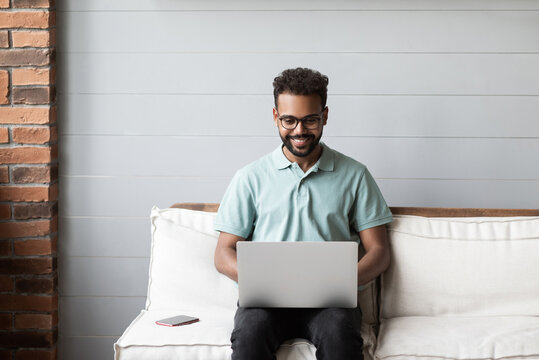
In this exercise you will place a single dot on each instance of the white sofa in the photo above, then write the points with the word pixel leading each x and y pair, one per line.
pixel 457 288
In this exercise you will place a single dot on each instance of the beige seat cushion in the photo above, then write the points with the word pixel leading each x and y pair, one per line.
pixel 448 338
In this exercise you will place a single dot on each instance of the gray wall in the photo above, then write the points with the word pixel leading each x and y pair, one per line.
pixel 162 100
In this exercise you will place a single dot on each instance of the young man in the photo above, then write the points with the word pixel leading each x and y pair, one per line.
pixel 302 190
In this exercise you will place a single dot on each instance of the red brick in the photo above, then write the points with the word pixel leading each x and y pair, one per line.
pixel 33 96
pixel 26 19
pixel 33 3
pixel 15 193
pixel 34 211
pixel 4 87
pixel 4 174
pixel 18 229
pixel 32 76
pixel 36 355
pixel 32 135
pixel 28 302
pixel 25 155
pixel 4 4
pixel 4 39
pixel 35 266
pixel 4 135
pixel 26 57
pixel 27 339
pixel 35 247
pixel 6 284
pixel 27 115
pixel 6 321
pixel 36 286
pixel 35 321
pixel 5 211
pixel 34 174
pixel 35 38
pixel 5 247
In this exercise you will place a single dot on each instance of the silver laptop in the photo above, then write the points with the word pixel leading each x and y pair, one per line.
pixel 308 274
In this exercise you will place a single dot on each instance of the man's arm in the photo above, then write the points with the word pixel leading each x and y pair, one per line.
pixel 376 259
pixel 225 258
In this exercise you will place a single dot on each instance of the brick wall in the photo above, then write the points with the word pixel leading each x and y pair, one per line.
pixel 28 181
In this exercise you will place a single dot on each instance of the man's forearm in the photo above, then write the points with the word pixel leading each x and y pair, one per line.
pixel 226 263
pixel 372 264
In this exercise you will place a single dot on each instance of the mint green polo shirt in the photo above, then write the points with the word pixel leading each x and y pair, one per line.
pixel 272 199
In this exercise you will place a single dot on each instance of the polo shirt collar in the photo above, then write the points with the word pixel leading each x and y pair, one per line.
pixel 327 160
pixel 325 163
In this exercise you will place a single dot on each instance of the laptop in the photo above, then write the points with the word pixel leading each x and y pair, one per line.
pixel 309 274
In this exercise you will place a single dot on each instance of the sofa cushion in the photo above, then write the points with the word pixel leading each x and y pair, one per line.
pixel 182 271
pixel 207 339
pixel 497 337
pixel 462 266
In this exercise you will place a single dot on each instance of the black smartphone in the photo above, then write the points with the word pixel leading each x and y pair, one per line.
pixel 177 320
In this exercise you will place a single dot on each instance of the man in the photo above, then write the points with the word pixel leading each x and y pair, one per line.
pixel 302 191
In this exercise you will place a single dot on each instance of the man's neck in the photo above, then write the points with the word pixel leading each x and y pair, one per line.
pixel 304 162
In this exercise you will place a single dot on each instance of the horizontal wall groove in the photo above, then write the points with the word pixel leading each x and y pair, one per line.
pixel 270 94
pixel 226 177
pixel 204 136
pixel 300 52
pixel 293 10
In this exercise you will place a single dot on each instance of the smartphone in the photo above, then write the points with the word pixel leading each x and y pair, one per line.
pixel 177 320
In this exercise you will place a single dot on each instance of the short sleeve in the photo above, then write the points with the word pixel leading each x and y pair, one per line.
pixel 236 214
pixel 370 208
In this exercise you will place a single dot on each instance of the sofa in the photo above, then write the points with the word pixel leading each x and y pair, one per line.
pixel 462 284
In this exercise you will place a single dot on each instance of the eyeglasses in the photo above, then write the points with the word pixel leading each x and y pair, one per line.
pixel 310 122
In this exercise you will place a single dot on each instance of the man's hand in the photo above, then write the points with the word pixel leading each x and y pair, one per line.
pixel 225 258
pixel 376 259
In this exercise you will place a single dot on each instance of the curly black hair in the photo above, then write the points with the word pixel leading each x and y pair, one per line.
pixel 301 81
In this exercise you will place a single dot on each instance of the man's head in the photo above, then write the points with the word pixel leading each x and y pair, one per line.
pixel 300 111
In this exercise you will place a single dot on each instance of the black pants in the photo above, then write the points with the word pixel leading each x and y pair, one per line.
pixel 258 332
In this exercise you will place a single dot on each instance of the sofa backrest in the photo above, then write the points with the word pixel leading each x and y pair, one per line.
pixel 473 266
pixel 492 258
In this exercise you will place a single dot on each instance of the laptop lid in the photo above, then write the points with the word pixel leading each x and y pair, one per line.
pixel 308 274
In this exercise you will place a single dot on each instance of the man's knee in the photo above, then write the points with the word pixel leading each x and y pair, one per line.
pixel 254 334
pixel 336 326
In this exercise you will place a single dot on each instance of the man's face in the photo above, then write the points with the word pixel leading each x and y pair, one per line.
pixel 300 141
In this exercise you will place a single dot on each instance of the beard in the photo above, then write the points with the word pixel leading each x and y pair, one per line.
pixel 303 152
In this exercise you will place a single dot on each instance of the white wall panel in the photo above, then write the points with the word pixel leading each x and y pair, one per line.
pixel 447 158
pixel 250 115
pixel 102 316
pixel 166 5
pixel 162 156
pixel 351 31
pixel 435 74
pixel 83 236
pixel 103 276
pixel 462 193
pixel 134 196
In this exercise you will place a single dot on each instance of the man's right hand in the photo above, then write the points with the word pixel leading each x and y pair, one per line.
pixel 225 258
